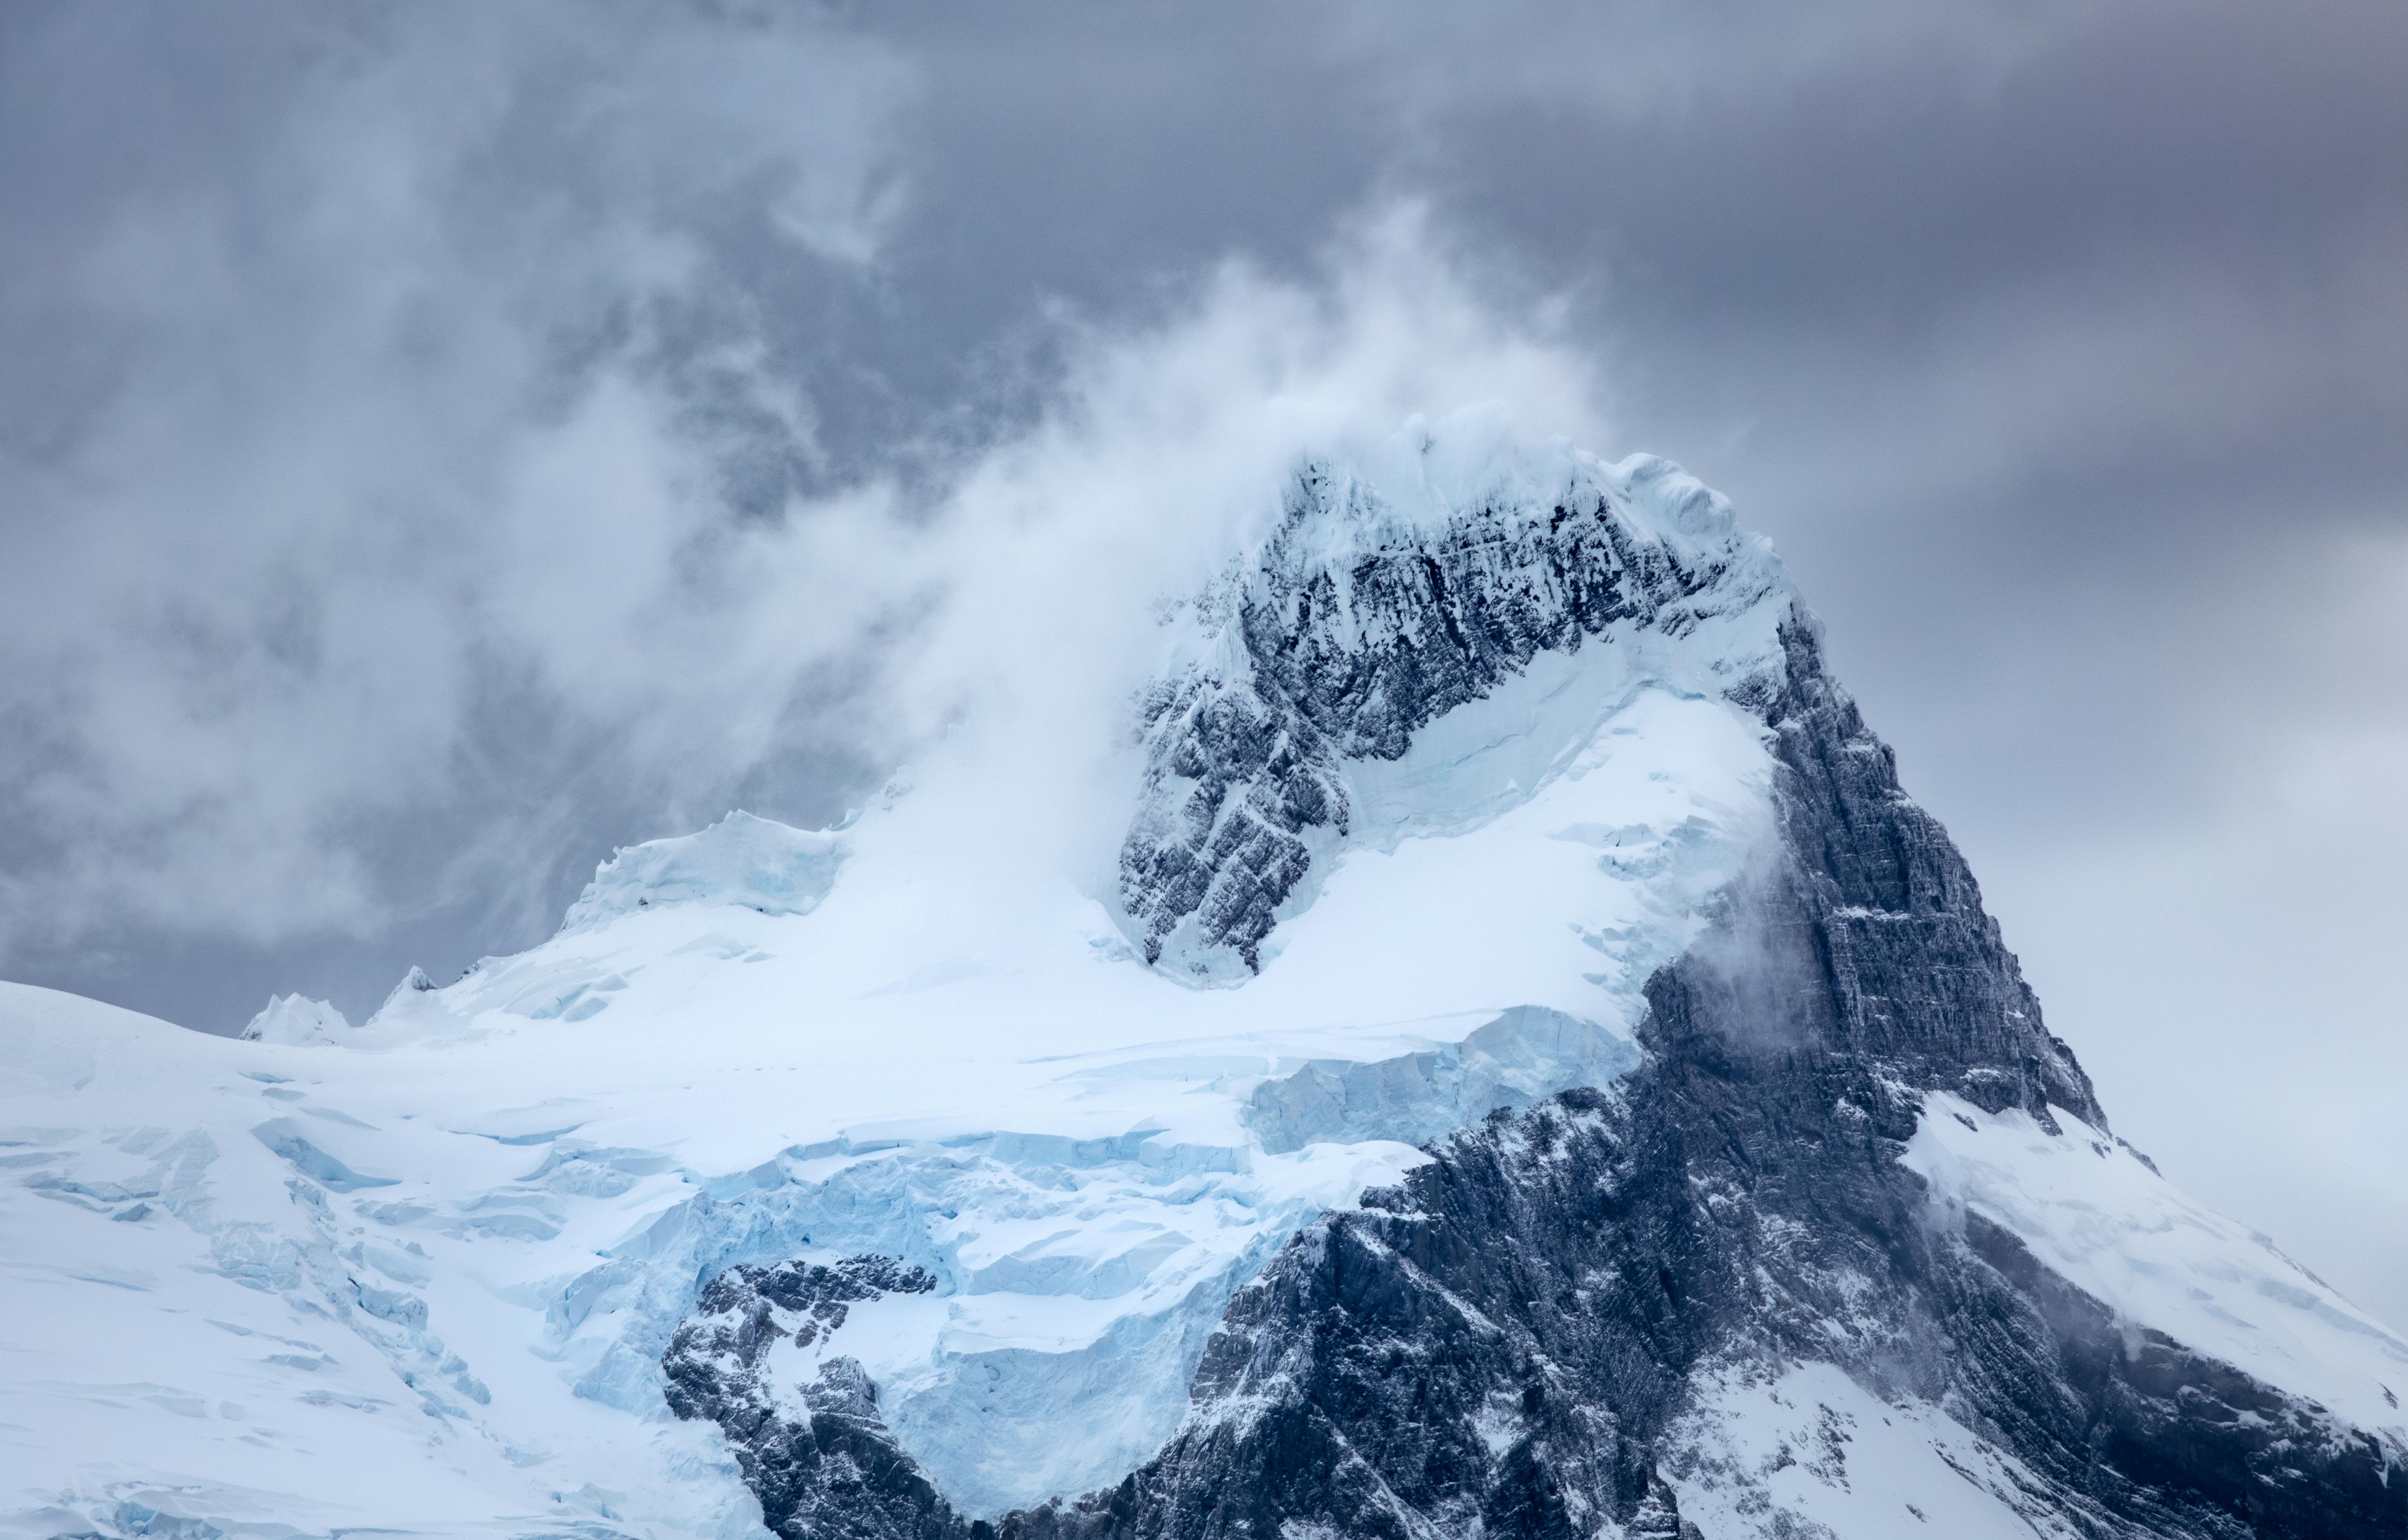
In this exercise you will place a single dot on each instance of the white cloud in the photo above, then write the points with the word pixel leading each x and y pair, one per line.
pixel 402 576
pixel 399 412
pixel 1164 457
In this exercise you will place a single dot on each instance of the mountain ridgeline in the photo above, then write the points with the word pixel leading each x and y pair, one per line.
pixel 1326 660
pixel 1571 1320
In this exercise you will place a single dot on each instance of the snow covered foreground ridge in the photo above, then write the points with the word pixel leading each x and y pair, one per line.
pixel 1617 1117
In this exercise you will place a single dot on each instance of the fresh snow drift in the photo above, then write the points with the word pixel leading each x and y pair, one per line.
pixel 1425 788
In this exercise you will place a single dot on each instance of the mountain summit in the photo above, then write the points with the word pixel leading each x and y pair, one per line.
pixel 1482 1046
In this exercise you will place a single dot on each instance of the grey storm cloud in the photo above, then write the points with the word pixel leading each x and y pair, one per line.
pixel 440 443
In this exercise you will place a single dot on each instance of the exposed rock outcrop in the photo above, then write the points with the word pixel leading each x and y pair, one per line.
pixel 1353 628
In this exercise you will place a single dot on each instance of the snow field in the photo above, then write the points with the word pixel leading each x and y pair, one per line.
pixel 1771 1455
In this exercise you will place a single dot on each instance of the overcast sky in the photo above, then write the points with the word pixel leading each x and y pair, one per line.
pixel 439 443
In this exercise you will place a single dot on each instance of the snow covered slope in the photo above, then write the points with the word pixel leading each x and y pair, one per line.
pixel 929 1169
pixel 2096 1215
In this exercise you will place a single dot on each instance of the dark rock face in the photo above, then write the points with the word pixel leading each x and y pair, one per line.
pixel 1350 663
pixel 834 1470
pixel 1868 938
pixel 1507 1342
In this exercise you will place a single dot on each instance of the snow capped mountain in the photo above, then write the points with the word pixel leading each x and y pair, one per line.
pixel 1373 612
pixel 1489 1048
pixel 290 1018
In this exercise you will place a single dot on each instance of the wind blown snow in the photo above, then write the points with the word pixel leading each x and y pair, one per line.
pixel 450 1244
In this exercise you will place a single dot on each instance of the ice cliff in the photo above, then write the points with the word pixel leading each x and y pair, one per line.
pixel 752 862
pixel 1511 1059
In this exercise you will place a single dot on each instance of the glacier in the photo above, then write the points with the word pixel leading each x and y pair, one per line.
pixel 980 1129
